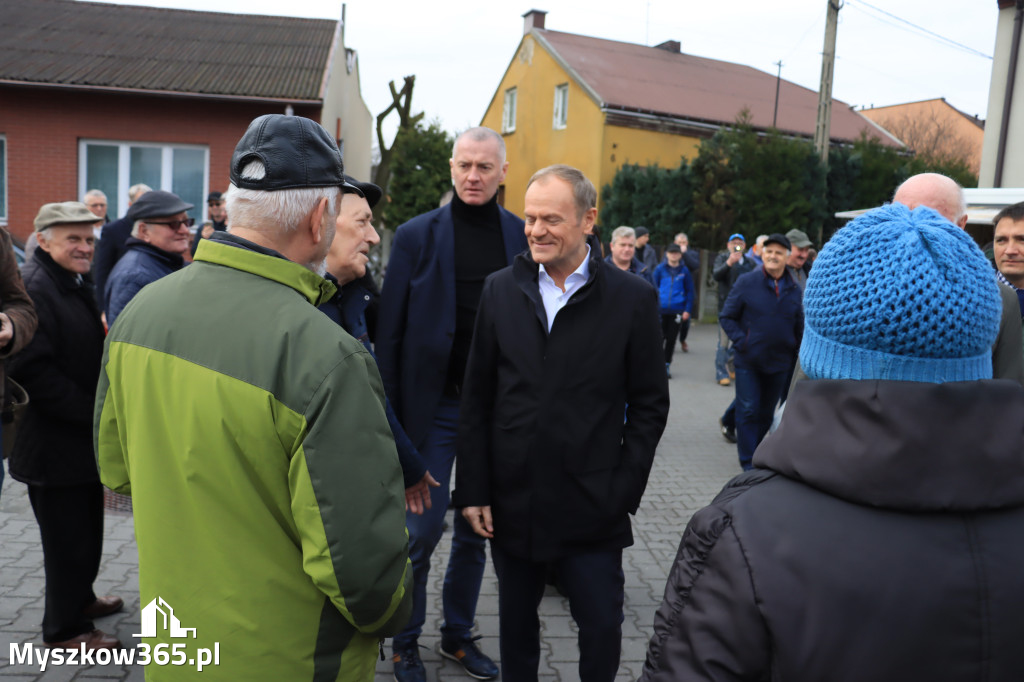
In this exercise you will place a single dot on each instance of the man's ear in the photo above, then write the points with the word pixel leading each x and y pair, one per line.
pixel 316 224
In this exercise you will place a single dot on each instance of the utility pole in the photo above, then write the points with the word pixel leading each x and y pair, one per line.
pixel 828 62
pixel 778 81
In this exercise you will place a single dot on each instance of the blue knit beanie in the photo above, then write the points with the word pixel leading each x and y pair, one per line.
pixel 900 295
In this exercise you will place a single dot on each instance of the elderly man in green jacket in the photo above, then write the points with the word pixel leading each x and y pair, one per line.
pixel 250 431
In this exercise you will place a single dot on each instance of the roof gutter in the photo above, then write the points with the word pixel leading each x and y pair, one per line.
pixel 1011 76
pixel 161 93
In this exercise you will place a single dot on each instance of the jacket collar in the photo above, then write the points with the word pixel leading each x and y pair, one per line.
pixel 224 248
pixel 65 279
pixel 904 445
pixel 525 271
pixel 173 260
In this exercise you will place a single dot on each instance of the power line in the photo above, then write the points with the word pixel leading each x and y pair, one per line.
pixel 941 38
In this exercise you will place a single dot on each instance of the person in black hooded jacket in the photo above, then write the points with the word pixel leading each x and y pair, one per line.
pixel 878 538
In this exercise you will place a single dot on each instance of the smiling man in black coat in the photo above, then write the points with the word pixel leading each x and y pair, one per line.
pixel 547 467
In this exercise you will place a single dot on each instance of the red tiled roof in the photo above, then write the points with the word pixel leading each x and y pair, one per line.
pixel 651 80
pixel 64 43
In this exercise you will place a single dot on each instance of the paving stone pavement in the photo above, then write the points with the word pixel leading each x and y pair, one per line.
pixel 692 464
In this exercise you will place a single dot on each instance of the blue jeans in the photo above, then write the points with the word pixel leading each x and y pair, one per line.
pixel 469 550
pixel 757 393
pixel 723 356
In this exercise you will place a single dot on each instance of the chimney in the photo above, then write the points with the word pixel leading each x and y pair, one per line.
pixel 670 46
pixel 533 19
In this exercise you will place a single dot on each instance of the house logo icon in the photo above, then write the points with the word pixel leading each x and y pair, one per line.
pixel 159 614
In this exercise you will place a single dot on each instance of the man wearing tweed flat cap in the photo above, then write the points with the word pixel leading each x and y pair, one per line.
pixel 258 425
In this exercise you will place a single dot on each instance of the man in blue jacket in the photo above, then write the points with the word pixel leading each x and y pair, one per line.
pixel 675 291
pixel 428 307
pixel 764 320
pixel 156 248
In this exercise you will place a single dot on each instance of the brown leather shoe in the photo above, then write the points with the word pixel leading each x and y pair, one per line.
pixel 97 639
pixel 103 606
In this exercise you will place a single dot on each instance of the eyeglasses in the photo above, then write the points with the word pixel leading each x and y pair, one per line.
pixel 173 224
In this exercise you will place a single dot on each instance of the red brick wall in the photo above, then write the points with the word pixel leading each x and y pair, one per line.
pixel 43 129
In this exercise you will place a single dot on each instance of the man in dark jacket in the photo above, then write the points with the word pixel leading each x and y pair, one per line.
pixel 428 305
pixel 547 467
pixel 346 264
pixel 111 245
pixel 729 266
pixel 623 253
pixel 878 539
pixel 53 452
pixel 763 318
pixel 645 251
pixel 156 248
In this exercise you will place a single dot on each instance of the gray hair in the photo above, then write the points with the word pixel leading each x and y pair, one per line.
pixel 135 228
pixel 583 192
pixel 94 193
pixel 282 210
pixel 481 134
pixel 136 191
pixel 681 234
pixel 623 232
pixel 761 239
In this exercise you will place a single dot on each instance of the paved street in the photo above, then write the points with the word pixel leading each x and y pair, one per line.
pixel 693 463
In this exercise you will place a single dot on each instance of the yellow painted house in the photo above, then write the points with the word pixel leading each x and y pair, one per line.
pixel 598 104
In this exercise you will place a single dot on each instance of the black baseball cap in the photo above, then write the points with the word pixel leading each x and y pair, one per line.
pixel 296 152
pixel 369 191
pixel 777 238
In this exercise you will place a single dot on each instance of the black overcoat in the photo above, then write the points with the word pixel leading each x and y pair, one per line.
pixel 542 438
pixel 59 369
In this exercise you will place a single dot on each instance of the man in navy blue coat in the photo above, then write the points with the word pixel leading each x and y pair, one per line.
pixel 428 305
pixel 764 320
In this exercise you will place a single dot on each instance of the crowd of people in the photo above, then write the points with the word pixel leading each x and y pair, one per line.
pixel 304 429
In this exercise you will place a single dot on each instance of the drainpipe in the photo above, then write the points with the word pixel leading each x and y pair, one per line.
pixel 1011 76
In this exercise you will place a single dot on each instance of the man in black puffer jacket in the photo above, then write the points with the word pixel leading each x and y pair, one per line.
pixel 878 538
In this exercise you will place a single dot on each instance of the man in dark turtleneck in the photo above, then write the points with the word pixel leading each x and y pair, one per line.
pixel 428 306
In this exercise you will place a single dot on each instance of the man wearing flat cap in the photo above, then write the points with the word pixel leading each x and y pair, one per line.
pixel 250 430
pixel 800 250
pixel 763 318
pixel 53 452
pixel 160 237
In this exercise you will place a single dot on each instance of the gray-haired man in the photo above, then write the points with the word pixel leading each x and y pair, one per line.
pixel 250 430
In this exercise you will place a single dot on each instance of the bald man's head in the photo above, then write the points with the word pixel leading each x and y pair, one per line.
pixel 937 192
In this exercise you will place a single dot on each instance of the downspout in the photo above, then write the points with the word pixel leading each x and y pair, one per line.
pixel 1011 76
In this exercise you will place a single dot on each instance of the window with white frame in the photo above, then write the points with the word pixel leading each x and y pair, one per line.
pixel 561 106
pixel 3 180
pixel 114 166
pixel 508 116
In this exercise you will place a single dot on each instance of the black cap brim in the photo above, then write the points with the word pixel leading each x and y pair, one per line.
pixel 369 191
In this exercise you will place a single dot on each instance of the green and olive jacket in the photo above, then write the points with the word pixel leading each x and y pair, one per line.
pixel 249 430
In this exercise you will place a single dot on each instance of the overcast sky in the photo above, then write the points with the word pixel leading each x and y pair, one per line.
pixel 459 50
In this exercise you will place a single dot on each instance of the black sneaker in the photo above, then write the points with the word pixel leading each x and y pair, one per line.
pixel 468 655
pixel 408 666
pixel 728 433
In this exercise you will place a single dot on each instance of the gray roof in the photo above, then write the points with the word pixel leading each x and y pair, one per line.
pixel 96 45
